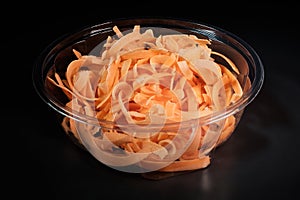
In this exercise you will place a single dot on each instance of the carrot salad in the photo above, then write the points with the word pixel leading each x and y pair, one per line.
pixel 140 79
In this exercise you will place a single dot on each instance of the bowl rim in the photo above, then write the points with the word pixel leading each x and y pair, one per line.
pixel 38 75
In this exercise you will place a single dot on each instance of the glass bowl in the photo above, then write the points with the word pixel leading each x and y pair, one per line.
pixel 149 94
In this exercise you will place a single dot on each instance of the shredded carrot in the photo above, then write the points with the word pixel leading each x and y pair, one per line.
pixel 145 80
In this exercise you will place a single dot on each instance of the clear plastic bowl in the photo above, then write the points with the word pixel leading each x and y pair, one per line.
pixel 183 145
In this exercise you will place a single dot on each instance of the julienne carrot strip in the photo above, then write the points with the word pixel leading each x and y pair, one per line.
pixel 141 79
pixel 191 164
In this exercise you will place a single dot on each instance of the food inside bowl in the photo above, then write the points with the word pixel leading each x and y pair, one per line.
pixel 139 81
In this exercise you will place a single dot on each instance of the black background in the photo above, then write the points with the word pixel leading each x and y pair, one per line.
pixel 259 161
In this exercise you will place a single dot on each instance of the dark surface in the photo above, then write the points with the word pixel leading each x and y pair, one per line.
pixel 259 161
